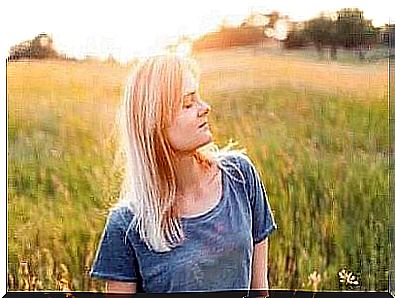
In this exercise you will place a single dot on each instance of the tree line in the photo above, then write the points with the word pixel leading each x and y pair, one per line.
pixel 347 28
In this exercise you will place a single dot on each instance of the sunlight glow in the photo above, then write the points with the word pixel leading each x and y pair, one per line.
pixel 232 20
pixel 125 29
pixel 280 30
pixel 260 20
pixel 269 32
pixel 183 49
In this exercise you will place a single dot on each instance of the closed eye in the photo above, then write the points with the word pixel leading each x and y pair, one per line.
pixel 189 100
pixel 188 106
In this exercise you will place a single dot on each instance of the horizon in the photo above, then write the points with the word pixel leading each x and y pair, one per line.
pixel 150 30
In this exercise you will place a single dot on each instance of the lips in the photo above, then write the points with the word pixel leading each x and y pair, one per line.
pixel 202 125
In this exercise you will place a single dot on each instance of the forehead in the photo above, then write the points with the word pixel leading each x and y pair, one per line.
pixel 190 83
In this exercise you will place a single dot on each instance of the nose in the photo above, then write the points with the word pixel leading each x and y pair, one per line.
pixel 205 108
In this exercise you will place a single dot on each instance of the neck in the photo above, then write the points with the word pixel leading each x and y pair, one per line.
pixel 189 175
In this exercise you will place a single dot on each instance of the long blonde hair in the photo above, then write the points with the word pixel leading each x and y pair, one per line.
pixel 152 96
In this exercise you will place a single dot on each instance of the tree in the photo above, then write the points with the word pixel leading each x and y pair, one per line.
pixel 353 31
pixel 296 36
pixel 348 29
pixel 322 32
pixel 386 35
pixel 41 47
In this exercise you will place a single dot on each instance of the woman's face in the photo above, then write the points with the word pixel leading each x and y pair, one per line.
pixel 190 130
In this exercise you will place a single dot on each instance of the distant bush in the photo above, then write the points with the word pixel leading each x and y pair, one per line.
pixel 229 37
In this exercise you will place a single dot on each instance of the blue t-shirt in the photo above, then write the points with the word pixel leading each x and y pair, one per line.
pixel 216 254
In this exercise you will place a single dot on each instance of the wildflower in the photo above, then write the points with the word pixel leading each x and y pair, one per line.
pixel 314 280
pixel 347 278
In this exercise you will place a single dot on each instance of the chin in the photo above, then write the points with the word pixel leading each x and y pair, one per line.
pixel 199 142
pixel 206 142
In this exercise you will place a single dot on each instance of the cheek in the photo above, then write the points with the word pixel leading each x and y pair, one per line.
pixel 184 122
pixel 175 134
pixel 182 129
pixel 182 134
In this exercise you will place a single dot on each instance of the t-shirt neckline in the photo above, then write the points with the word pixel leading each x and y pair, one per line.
pixel 214 210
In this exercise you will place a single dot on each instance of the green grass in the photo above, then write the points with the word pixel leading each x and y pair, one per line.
pixel 323 161
pixel 321 155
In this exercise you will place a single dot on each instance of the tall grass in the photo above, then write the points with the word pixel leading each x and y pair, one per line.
pixel 321 152
pixel 324 162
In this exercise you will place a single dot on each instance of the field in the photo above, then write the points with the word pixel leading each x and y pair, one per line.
pixel 316 130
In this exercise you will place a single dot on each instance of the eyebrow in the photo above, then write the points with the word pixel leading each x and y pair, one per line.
pixel 189 93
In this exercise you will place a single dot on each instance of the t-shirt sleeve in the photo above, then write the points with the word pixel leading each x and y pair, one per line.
pixel 115 258
pixel 263 223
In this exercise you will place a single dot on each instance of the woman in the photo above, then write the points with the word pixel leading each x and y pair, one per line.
pixel 189 218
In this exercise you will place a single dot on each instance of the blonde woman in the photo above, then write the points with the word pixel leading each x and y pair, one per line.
pixel 189 218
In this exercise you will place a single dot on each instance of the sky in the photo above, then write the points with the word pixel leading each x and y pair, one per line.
pixel 126 29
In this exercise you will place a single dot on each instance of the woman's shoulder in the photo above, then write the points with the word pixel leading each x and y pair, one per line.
pixel 238 158
pixel 236 163
pixel 120 214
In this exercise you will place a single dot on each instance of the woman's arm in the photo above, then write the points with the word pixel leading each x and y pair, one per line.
pixel 121 287
pixel 259 279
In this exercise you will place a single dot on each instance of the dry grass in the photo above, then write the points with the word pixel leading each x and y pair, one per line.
pixel 249 68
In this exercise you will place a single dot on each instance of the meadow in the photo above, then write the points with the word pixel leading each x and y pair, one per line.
pixel 317 131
